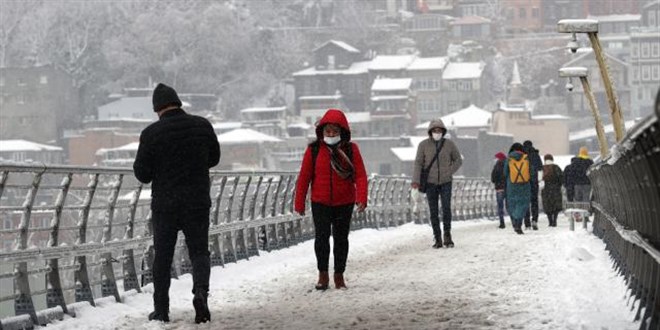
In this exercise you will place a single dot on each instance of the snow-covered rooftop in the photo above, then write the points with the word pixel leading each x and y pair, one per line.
pixel 471 116
pixel 469 20
pixel 321 97
pixel 355 68
pixel 391 84
pixel 271 109
pixel 591 132
pixel 24 145
pixel 463 70
pixel 299 125
pixel 428 63
pixel 388 97
pixel 391 62
pixel 341 44
pixel 405 154
pixel 242 135
pixel 358 117
pixel 227 125
pixel 127 147
pixel 616 18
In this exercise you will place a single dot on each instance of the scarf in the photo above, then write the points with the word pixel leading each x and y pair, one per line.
pixel 340 162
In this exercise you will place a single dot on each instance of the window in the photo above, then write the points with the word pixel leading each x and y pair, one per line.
pixel 655 72
pixel 645 49
pixel 7 224
pixel 646 72
pixel 523 13
pixel 652 18
pixel 635 50
pixel 535 12
pixel 655 49
pixel 636 73
pixel 331 62
pixel 18 156
pixel 43 80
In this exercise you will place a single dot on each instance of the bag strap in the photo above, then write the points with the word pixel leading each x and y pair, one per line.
pixel 437 152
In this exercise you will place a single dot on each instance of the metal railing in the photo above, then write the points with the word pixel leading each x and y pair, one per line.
pixel 626 203
pixel 72 235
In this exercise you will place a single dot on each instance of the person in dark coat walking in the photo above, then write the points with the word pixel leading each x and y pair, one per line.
pixel 553 178
pixel 497 178
pixel 580 178
pixel 334 167
pixel 440 177
pixel 537 165
pixel 518 175
pixel 569 177
pixel 175 155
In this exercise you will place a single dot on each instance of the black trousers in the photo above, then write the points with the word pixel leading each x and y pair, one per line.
pixel 443 193
pixel 195 227
pixel 335 220
pixel 534 207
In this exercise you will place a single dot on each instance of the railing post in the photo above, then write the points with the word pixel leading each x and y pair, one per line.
pixel 108 283
pixel 241 234
pixel 23 301
pixel 148 257
pixel 128 262
pixel 54 295
pixel 217 255
pixel 231 254
pixel 83 291
pixel 273 211
pixel 253 239
pixel 264 206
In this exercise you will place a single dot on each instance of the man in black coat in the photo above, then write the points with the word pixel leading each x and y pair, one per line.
pixel 175 154
pixel 537 165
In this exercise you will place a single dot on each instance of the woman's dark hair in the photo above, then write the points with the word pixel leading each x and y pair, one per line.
pixel 516 147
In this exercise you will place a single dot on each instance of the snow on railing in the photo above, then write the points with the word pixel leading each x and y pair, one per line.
pixel 85 232
pixel 626 203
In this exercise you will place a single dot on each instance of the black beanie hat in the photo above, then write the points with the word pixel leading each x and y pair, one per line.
pixel 163 96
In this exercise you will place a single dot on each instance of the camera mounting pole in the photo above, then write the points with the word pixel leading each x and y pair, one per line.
pixel 582 73
pixel 590 27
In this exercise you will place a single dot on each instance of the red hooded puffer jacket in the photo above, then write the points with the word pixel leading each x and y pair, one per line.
pixel 327 187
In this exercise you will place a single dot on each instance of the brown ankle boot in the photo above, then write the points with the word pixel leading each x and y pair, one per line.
pixel 339 281
pixel 324 279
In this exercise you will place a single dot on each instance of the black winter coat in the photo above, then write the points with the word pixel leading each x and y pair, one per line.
pixel 535 162
pixel 176 153
pixel 579 171
pixel 551 194
pixel 497 175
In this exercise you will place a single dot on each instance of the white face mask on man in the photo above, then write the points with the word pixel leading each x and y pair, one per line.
pixel 437 136
pixel 331 140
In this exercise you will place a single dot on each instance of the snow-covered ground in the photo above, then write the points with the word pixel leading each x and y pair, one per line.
pixel 493 279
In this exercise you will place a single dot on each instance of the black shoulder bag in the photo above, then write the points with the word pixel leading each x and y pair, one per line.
pixel 424 176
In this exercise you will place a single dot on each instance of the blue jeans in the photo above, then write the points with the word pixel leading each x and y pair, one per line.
pixel 500 205
pixel 442 191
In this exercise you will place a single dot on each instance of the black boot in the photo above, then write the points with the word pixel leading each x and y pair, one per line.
pixel 502 226
pixel 159 316
pixel 447 238
pixel 438 243
pixel 202 313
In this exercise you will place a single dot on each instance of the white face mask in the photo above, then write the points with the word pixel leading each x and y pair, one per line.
pixel 331 140
pixel 437 136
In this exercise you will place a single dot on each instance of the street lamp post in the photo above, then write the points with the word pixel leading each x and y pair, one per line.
pixel 590 27
pixel 581 73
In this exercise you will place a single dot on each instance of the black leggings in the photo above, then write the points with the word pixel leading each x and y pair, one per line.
pixel 335 220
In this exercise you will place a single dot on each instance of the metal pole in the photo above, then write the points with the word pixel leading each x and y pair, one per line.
pixel 600 132
pixel 615 110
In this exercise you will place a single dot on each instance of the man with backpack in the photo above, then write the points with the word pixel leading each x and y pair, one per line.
pixel 537 165
pixel 518 174
pixel 435 164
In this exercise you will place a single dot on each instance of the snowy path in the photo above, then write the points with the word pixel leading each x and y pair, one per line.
pixel 493 279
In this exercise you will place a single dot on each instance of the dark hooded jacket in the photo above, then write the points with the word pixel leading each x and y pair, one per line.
pixel 328 187
pixel 176 153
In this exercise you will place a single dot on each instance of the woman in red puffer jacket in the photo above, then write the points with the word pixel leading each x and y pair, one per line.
pixel 333 165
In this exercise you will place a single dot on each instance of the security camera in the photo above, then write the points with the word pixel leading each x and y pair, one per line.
pixel 569 86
